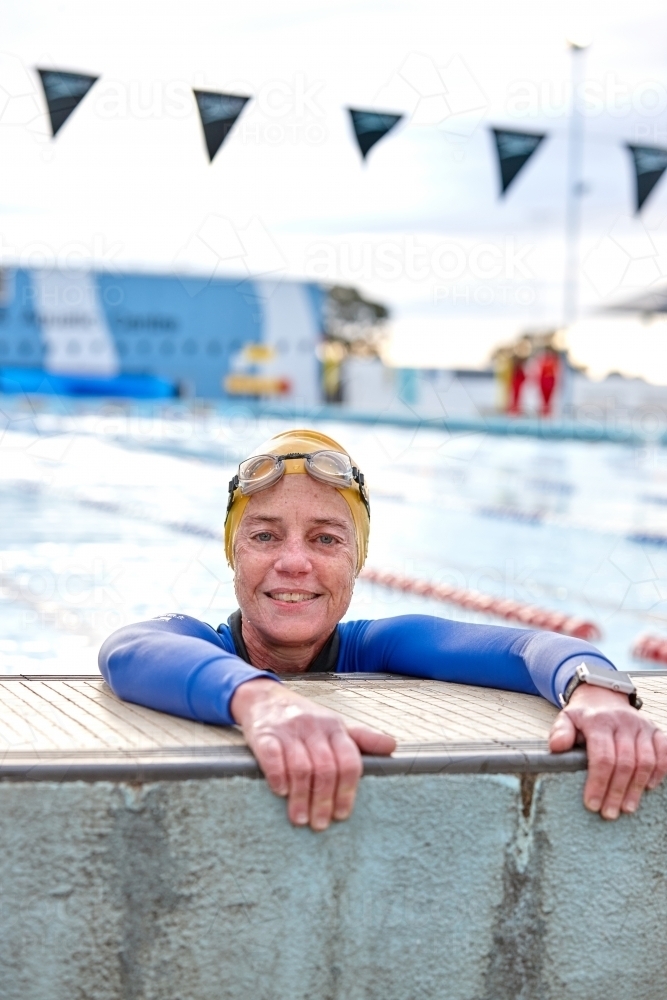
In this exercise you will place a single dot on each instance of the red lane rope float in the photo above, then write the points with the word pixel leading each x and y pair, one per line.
pixel 526 614
pixel 650 647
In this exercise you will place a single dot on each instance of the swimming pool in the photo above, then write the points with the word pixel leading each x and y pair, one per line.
pixel 113 513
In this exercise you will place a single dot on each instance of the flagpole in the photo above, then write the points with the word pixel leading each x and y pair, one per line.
pixel 575 186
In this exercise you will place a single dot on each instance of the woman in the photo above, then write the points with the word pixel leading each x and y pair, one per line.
pixel 296 535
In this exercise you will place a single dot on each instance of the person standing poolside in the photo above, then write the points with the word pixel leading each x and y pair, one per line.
pixel 503 372
pixel 296 536
pixel 547 378
pixel 517 378
pixel 520 357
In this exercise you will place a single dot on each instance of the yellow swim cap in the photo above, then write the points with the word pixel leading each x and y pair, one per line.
pixel 301 441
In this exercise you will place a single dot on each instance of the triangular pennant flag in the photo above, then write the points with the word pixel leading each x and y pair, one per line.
pixel 63 92
pixel 650 164
pixel 218 113
pixel 514 150
pixel 370 127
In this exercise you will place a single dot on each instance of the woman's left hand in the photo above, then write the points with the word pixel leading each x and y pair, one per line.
pixel 627 753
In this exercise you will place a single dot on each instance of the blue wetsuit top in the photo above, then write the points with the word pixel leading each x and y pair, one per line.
pixel 181 665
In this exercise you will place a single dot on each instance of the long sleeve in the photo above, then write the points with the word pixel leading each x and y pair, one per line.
pixel 175 664
pixel 486 655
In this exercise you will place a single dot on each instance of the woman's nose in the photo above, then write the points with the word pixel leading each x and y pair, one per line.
pixel 293 558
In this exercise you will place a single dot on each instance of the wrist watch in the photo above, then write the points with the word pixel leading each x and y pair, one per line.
pixel 612 680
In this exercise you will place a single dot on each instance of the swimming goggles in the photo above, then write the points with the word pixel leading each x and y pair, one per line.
pixel 331 467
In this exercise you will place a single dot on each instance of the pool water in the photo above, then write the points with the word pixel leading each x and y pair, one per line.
pixel 113 513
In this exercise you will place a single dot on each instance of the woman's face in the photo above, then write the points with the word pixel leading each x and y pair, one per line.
pixel 295 556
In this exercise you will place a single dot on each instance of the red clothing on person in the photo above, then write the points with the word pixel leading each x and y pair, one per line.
pixel 548 377
pixel 516 385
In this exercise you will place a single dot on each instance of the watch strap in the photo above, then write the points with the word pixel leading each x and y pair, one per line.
pixel 576 680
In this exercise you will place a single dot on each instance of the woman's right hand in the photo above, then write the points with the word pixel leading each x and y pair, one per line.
pixel 307 753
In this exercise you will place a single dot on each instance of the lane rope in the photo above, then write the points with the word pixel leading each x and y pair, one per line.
pixel 502 607
pixel 650 647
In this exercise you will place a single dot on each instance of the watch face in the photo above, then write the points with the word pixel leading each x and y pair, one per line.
pixel 613 680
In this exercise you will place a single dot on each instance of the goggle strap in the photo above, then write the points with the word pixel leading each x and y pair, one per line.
pixel 233 486
pixel 360 479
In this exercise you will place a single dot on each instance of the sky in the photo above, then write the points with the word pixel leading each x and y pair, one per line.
pixel 419 225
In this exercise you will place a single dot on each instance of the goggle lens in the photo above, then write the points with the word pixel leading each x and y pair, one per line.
pixel 330 467
pixel 258 473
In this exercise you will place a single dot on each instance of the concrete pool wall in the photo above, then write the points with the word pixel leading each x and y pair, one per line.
pixel 483 887
pixel 144 858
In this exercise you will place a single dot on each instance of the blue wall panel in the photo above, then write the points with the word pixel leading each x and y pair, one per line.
pixel 20 333
pixel 186 330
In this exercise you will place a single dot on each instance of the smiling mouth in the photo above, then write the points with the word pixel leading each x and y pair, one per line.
pixel 291 596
